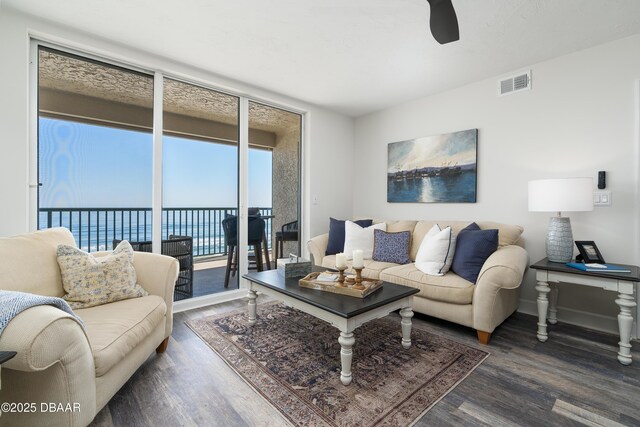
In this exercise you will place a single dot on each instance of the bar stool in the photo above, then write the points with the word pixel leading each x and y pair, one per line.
pixel 256 229
pixel 288 233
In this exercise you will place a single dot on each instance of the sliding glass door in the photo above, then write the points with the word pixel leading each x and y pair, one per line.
pixel 94 149
pixel 274 177
pixel 200 186
pixel 100 170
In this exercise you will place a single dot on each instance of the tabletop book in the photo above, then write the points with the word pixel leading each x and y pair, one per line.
pixel 598 268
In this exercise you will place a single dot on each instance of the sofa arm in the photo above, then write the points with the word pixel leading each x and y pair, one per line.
pixel 157 274
pixel 53 364
pixel 318 247
pixel 503 271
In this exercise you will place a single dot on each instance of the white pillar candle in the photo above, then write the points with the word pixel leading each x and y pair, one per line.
pixel 341 261
pixel 358 261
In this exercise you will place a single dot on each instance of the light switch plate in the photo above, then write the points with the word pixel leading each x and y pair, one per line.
pixel 602 198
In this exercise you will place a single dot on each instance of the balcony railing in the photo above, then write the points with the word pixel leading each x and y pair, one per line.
pixel 95 228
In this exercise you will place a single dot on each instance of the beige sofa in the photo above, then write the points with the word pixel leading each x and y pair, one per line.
pixel 482 306
pixel 60 362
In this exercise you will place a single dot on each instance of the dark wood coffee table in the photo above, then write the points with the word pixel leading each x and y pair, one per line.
pixel 344 312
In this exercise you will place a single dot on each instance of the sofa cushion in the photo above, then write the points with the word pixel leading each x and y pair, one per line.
pixel 391 247
pixel 357 237
pixel 371 270
pixel 91 281
pixel 116 328
pixel 398 226
pixel 449 288
pixel 436 251
pixel 473 248
pixel 507 234
pixel 336 234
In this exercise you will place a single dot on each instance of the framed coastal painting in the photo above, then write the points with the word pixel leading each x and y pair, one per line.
pixel 433 169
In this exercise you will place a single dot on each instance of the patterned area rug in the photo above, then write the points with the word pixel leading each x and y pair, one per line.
pixel 293 360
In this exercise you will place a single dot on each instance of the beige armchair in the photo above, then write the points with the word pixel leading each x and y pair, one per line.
pixel 60 362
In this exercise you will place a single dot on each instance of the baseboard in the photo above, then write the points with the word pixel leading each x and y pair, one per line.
pixel 584 319
pixel 191 303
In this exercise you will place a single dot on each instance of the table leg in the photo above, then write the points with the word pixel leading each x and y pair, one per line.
pixel 266 251
pixel 543 306
pixel 406 314
pixel 346 341
pixel 625 322
pixel 252 295
pixel 553 304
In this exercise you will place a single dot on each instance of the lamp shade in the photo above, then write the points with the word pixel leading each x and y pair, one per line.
pixel 561 195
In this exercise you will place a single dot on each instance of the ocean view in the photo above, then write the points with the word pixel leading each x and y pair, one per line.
pixel 94 180
pixel 95 228
pixel 459 188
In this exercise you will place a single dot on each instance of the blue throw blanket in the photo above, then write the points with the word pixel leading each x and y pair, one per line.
pixel 13 303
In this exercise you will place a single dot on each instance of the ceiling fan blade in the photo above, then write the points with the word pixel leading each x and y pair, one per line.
pixel 443 21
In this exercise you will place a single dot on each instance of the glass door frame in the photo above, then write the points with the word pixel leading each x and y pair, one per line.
pixel 35 41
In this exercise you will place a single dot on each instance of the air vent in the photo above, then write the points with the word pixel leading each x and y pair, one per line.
pixel 515 83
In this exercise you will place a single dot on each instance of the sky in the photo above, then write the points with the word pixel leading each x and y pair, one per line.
pixel 433 151
pixel 82 165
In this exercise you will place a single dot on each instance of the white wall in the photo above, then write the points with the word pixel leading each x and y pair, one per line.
pixel 326 132
pixel 581 116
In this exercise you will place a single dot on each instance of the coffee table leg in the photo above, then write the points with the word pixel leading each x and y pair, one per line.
pixel 252 306
pixel 406 314
pixel 346 341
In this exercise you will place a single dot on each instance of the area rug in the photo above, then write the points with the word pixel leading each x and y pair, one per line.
pixel 293 360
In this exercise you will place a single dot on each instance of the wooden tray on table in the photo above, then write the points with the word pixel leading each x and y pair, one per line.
pixel 370 285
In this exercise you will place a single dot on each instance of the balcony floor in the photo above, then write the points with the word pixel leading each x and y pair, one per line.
pixel 208 277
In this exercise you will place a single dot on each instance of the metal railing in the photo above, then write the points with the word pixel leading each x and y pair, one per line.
pixel 95 228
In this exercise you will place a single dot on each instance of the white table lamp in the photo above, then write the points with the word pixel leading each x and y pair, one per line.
pixel 560 195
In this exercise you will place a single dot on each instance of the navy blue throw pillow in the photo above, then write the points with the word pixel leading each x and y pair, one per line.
pixel 473 247
pixel 336 234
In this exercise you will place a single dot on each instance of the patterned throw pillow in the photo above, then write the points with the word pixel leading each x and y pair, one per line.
pixel 89 281
pixel 357 237
pixel 391 247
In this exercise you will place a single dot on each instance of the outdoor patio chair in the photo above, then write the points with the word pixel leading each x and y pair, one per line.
pixel 288 233
pixel 180 248
pixel 256 230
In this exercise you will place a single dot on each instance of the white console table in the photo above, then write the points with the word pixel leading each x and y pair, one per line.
pixel 550 274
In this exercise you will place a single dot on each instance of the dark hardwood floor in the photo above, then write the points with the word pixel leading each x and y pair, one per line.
pixel 572 379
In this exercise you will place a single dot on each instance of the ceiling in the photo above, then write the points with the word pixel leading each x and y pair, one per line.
pixel 350 56
pixel 69 74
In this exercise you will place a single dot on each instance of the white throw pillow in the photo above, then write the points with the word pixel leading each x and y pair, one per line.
pixel 435 254
pixel 356 237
